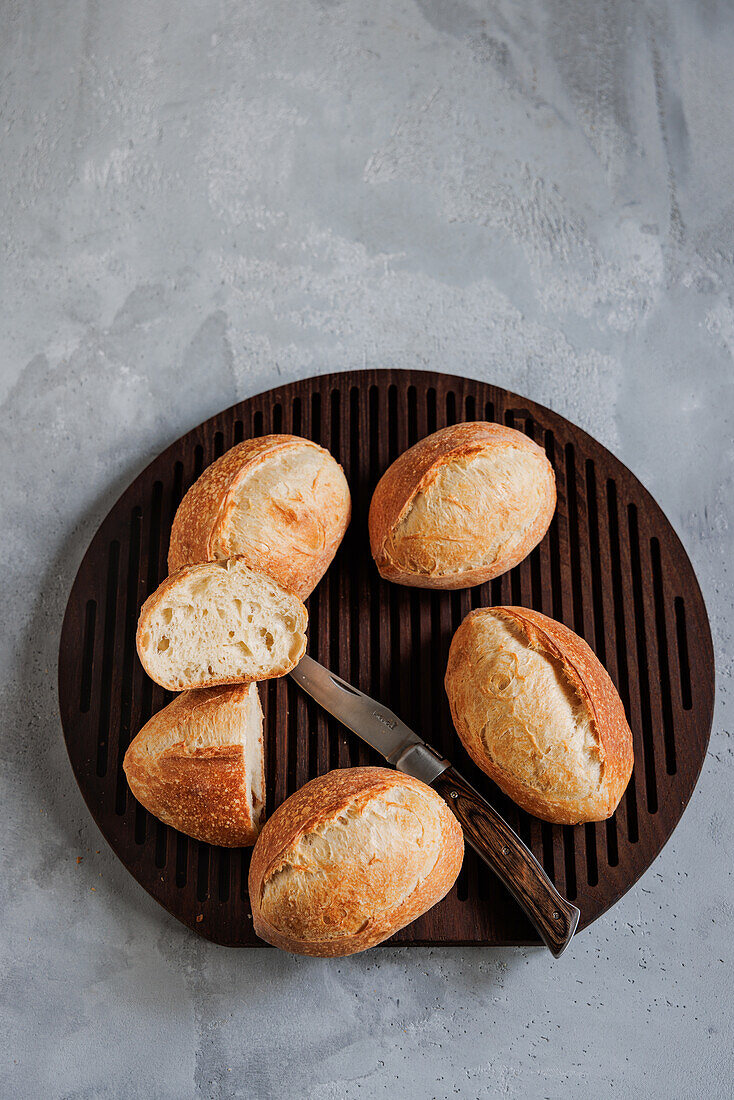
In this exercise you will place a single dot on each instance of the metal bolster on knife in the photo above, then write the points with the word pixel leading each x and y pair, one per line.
pixel 420 761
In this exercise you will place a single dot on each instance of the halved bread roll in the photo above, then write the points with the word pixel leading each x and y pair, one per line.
pixel 198 765
pixel 349 859
pixel 537 712
pixel 220 622
pixel 279 501
pixel 460 507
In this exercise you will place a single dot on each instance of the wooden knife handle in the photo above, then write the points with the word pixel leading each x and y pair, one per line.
pixel 513 863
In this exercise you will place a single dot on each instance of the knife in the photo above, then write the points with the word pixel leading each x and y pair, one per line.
pixel 484 829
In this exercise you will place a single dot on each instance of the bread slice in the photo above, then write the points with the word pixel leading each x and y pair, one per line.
pixel 220 622
pixel 537 711
pixel 351 858
pixel 198 765
pixel 280 501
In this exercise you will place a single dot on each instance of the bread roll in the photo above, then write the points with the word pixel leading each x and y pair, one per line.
pixel 349 859
pixel 220 622
pixel 460 507
pixel 198 765
pixel 280 501
pixel 539 714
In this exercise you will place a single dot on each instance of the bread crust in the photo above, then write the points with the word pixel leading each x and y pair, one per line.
pixel 320 800
pixel 161 594
pixel 198 783
pixel 201 517
pixel 589 679
pixel 415 469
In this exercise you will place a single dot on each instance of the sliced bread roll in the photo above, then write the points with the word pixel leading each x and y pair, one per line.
pixel 198 765
pixel 460 507
pixel 537 711
pixel 279 501
pixel 349 859
pixel 220 623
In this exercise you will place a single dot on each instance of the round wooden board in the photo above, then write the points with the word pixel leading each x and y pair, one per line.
pixel 611 567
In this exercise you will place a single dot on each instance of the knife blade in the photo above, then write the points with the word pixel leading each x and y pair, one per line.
pixel 555 918
pixel 370 720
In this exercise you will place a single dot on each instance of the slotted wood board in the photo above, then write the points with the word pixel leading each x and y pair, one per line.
pixel 611 568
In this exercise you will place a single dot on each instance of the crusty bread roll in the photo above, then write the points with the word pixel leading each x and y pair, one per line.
pixel 460 507
pixel 279 501
pixel 220 622
pixel 349 859
pixel 198 765
pixel 539 714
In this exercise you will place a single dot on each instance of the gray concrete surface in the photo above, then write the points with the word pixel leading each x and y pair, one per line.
pixel 201 199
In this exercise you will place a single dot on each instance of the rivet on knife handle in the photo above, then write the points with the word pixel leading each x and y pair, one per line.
pixel 499 846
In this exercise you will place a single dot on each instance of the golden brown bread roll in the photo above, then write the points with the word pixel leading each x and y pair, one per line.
pixel 351 858
pixel 538 713
pixel 460 507
pixel 198 765
pixel 220 622
pixel 279 501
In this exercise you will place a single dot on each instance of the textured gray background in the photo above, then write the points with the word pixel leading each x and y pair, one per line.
pixel 201 199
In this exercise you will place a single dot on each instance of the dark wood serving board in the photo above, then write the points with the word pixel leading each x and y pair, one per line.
pixel 611 568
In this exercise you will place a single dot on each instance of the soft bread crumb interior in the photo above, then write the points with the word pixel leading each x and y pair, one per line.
pixel 254 756
pixel 221 621
pixel 474 511
pixel 533 723
pixel 377 850
pixel 286 509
